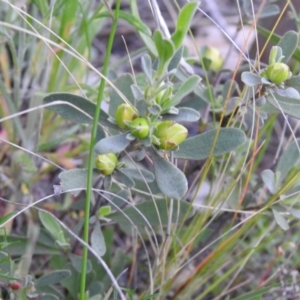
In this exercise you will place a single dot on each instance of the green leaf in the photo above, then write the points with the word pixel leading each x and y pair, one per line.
pixel 199 147
pixel 294 212
pixel 141 106
pixel 275 39
pixel 137 92
pixel 288 159
pixel 59 140
pixel 251 79
pixel 268 178
pixel 279 218
pixel 6 217
pixel 146 39
pixel 149 211
pixel 6 265
pixel 115 144
pixel 97 240
pixel 165 49
pixel 53 227
pixel 104 211
pixel 76 262
pixel 170 180
pixel 17 245
pixel 294 82
pixel 146 64
pixel 95 290
pixel 139 174
pixel 229 88
pixel 183 23
pixel 185 114
pixel 290 106
pixel 74 179
pixel 82 113
pixel 288 43
pixel 187 87
pixel 123 84
pixel 174 63
pixel 52 278
pixel 131 19
pixel 269 11
pixel 125 179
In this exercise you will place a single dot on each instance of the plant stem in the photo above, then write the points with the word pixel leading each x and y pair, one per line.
pixel 91 152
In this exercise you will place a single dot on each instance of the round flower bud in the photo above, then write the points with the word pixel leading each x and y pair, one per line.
pixel 125 112
pixel 140 128
pixel 169 134
pixel 106 163
pixel 160 94
pixel 278 72
pixel 214 55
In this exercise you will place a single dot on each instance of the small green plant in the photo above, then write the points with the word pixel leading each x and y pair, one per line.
pixel 163 190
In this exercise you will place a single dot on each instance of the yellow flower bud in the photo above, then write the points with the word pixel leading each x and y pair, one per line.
pixel 214 55
pixel 106 163
pixel 125 112
pixel 278 72
pixel 140 128
pixel 169 134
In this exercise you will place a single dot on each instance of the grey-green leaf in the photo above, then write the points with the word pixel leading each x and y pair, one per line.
pixel 199 147
pixel 181 210
pixel 54 228
pixel 269 11
pixel 294 82
pixel 288 44
pixel 251 79
pixel 170 180
pixel 141 106
pixel 279 218
pixel 115 144
pixel 187 87
pixel 74 179
pixel 125 179
pixel 97 240
pixel 268 178
pixel 185 114
pixel 146 64
pixel 289 92
pixel 52 278
pixel 137 92
pixel 82 113
pixel 123 84
pixel 288 159
pixel 293 211
pixel 290 106
pixel 229 88
pixel 76 262
pixel 139 174
pixel 173 65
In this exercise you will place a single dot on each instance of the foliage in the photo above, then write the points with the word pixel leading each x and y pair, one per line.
pixel 130 157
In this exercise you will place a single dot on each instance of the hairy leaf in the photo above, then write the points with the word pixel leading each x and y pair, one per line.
pixel 170 180
pixel 199 147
